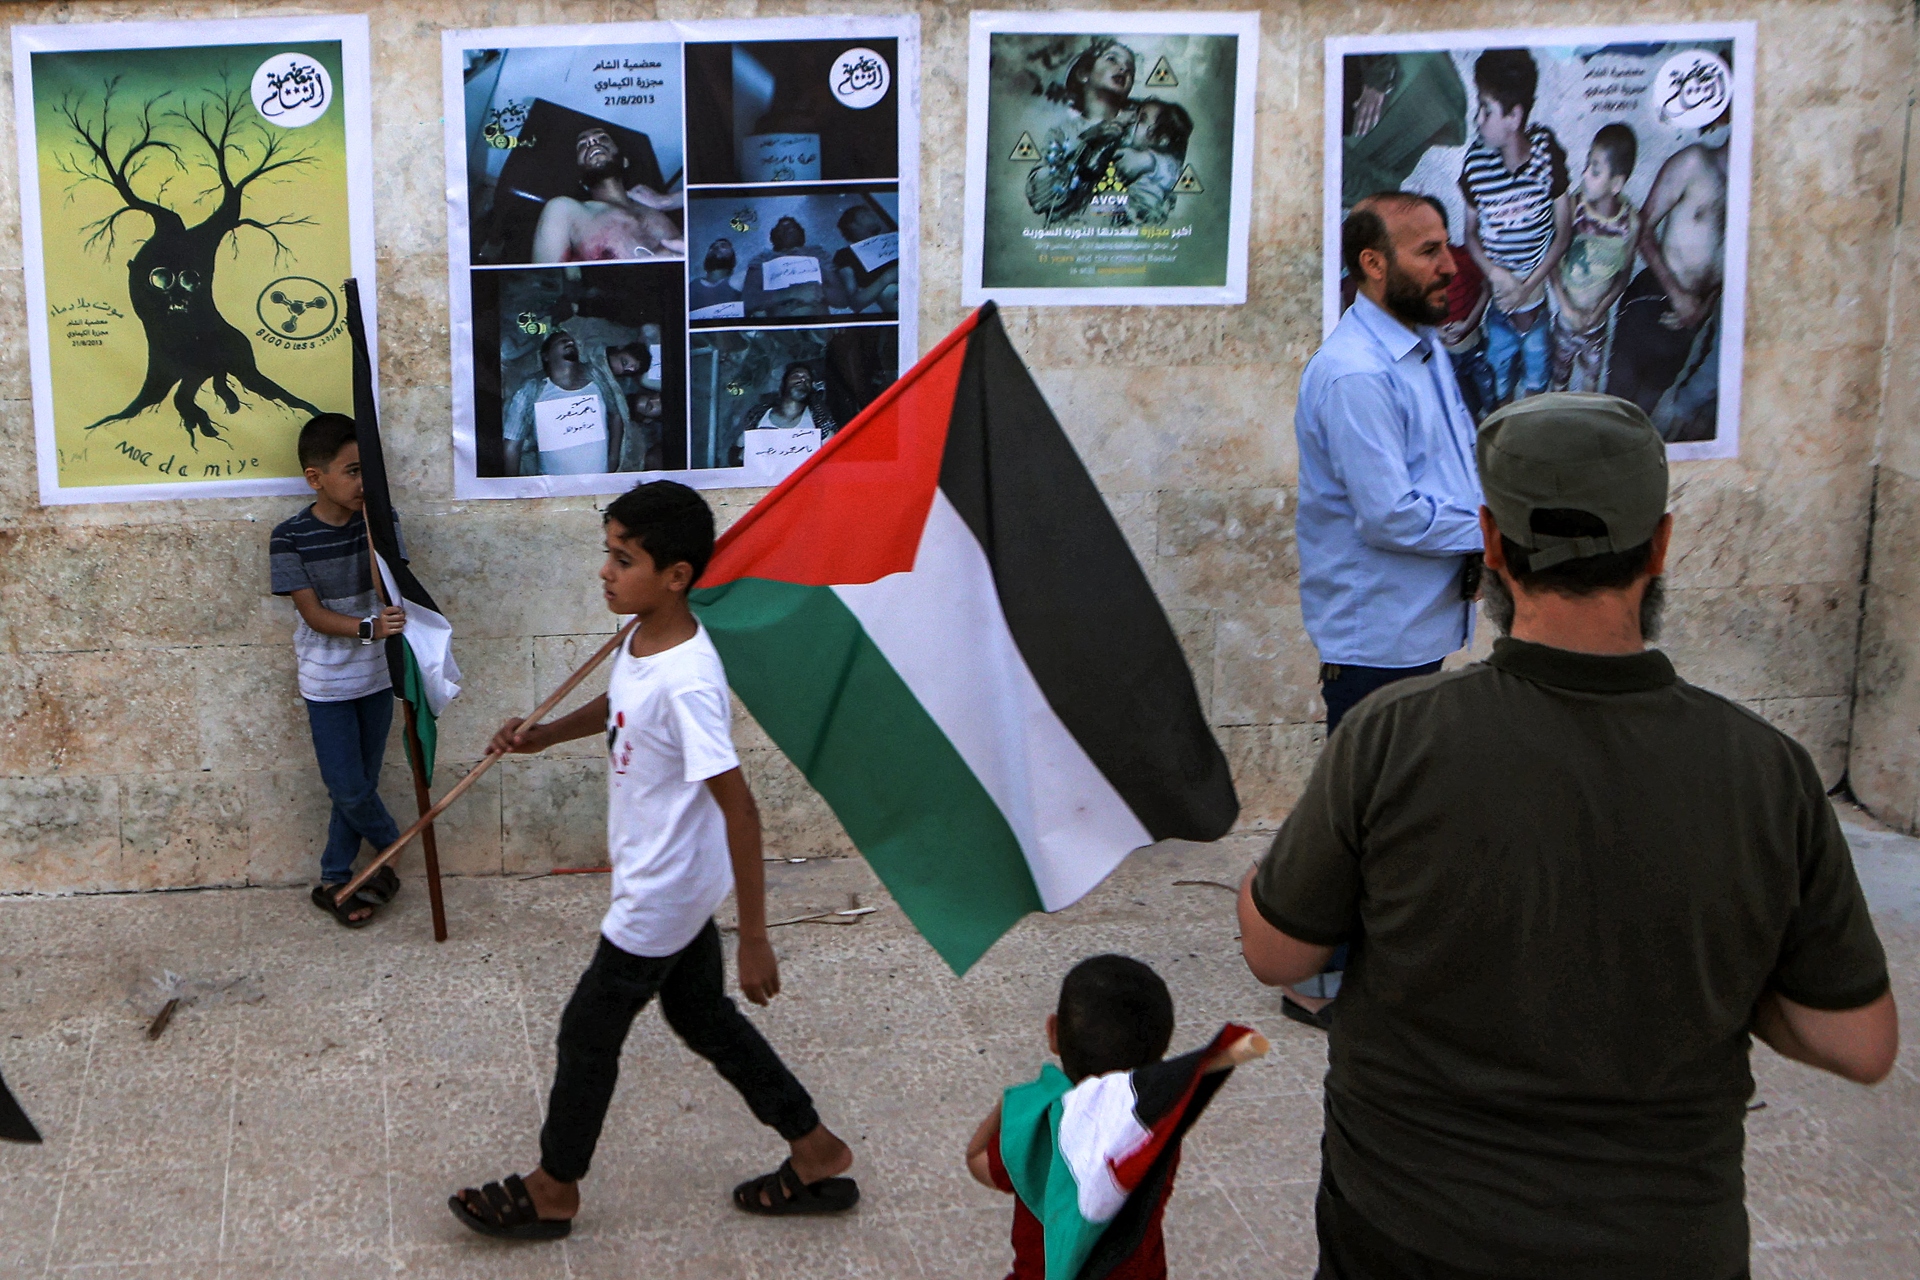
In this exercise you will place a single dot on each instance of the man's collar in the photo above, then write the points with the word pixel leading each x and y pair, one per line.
pixel 1384 325
pixel 1583 672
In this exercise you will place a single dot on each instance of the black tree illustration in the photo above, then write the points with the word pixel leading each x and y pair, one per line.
pixel 170 275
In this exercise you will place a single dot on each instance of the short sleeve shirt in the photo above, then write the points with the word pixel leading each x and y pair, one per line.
pixel 669 729
pixel 305 552
pixel 1573 876
pixel 1516 209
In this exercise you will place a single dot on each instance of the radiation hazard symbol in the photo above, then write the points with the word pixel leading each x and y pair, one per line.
pixel 1024 149
pixel 1162 76
pixel 1188 183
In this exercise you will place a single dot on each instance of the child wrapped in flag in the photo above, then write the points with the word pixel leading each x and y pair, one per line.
pixel 1089 1149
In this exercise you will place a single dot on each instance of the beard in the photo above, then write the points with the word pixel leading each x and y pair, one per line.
pixel 1408 302
pixel 591 175
pixel 1497 601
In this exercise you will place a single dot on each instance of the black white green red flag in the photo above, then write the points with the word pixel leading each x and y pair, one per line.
pixel 1092 1160
pixel 420 659
pixel 939 622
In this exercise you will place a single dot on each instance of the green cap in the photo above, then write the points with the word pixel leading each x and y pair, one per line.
pixel 1579 451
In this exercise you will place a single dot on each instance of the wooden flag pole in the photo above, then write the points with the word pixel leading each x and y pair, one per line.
pixel 486 762
pixel 422 800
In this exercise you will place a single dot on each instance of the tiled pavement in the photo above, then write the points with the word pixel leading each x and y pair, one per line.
pixel 317 1131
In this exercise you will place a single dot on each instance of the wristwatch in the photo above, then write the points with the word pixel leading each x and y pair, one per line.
pixel 366 628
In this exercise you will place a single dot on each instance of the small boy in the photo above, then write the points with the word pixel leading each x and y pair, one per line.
pixel 682 830
pixel 319 557
pixel 1089 1150
pixel 1514 178
pixel 1599 260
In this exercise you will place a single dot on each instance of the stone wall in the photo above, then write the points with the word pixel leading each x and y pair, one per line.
pixel 150 734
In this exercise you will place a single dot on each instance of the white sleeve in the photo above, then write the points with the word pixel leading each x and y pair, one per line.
pixel 703 727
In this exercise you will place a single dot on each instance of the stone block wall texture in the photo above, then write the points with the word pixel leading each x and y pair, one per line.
pixel 150 733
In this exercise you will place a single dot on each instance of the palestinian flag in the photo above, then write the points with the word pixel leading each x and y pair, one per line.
pixel 937 619
pixel 420 659
pixel 1092 1161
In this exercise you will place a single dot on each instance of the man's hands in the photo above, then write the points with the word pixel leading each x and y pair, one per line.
pixel 390 621
pixel 759 970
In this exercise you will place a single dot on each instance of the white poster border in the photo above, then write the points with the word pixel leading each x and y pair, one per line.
pixel 985 24
pixel 1733 306
pixel 904 29
pixel 356 94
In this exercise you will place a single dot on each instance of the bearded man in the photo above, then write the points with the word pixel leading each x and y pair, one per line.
pixel 1388 522
pixel 615 221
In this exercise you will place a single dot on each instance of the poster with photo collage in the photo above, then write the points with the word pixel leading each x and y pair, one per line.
pixel 678 249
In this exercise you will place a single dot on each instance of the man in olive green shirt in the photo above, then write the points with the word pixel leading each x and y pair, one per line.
pixel 1583 884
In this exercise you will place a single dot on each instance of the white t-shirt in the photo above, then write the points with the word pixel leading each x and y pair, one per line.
pixel 669 729
pixel 571 430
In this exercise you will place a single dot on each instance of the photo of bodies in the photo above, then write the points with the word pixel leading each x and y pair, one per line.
pixel 765 399
pixel 1109 160
pixel 591 376
pixel 574 154
pixel 793 111
pixel 793 256
pixel 1587 193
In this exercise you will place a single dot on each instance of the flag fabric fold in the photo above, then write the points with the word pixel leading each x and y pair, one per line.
pixel 14 1125
pixel 420 660
pixel 940 623
pixel 1091 1161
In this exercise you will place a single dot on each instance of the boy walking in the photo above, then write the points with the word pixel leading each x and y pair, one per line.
pixel 682 830
pixel 319 557
pixel 1514 179
pixel 1594 272
pixel 1090 1148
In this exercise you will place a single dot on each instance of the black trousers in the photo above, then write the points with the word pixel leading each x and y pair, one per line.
pixel 691 985
pixel 1342 687
pixel 1351 1248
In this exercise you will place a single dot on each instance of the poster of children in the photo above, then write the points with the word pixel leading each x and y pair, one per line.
pixel 192 196
pixel 1109 158
pixel 642 215
pixel 1595 187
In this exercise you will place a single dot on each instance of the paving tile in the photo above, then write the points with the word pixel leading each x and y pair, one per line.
pixel 303 1207
pixel 27 1206
pixel 1207 1237
pixel 1255 1140
pixel 484 1032
pixel 1821 1194
pixel 1897 1259
pixel 313 1266
pixel 853 1245
pixel 153 1116
pixel 657 1255
pixel 963 1244
pixel 147 1216
pixel 477 1258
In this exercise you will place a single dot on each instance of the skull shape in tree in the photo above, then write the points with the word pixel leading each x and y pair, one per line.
pixel 170 275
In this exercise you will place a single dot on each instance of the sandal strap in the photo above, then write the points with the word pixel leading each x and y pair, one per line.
pixel 498 1204
pixel 787 1178
pixel 522 1201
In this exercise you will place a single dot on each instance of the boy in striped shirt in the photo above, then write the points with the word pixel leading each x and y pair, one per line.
pixel 1519 222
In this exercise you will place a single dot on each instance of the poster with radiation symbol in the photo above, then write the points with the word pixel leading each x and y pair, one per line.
pixel 678 249
pixel 193 196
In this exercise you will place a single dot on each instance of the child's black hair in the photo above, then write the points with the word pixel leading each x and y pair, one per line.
pixel 1508 76
pixel 1172 126
pixel 322 439
pixel 1617 143
pixel 1115 1014
pixel 672 522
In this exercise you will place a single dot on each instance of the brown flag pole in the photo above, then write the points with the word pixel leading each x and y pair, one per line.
pixel 422 800
pixel 487 762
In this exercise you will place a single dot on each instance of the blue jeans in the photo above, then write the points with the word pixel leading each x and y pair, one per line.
pixel 1475 376
pixel 1532 349
pixel 350 740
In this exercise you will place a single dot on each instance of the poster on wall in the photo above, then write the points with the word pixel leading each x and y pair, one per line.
pixel 192 197
pixel 678 249
pixel 1109 158
pixel 1595 183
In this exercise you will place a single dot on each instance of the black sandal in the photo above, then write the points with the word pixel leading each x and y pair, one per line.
pixel 505 1211
pixel 341 911
pixel 786 1194
pixel 382 886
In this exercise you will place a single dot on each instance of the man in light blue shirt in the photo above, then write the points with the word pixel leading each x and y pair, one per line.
pixel 1389 518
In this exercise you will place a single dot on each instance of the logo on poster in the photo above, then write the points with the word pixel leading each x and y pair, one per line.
pixel 297 308
pixel 1693 89
pixel 291 90
pixel 860 78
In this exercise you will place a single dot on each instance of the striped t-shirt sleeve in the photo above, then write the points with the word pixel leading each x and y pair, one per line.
pixel 1516 209
pixel 288 571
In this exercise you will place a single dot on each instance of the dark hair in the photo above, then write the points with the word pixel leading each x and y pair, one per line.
pixel 1365 229
pixel 847 215
pixel 1608 571
pixel 1171 128
pixel 1509 77
pixel 785 221
pixel 797 364
pixel 322 439
pixel 672 522
pixel 1115 1014
pixel 1617 143
pixel 553 336
pixel 1074 91
pixel 640 351
pixel 713 250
